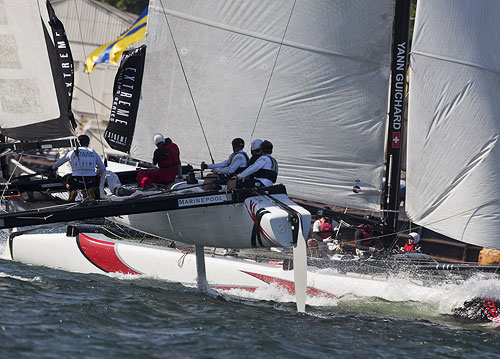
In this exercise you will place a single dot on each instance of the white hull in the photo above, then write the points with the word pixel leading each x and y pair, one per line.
pixel 257 222
pixel 95 253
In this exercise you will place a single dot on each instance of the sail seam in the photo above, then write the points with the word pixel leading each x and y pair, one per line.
pixel 456 61
pixel 272 39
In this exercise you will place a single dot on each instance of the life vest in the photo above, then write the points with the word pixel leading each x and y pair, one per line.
pixel 369 241
pixel 241 168
pixel 326 229
pixel 409 248
pixel 171 152
pixel 270 174
pixel 253 159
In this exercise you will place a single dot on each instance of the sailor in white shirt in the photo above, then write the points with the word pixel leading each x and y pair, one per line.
pixel 264 170
pixel 236 163
pixel 86 165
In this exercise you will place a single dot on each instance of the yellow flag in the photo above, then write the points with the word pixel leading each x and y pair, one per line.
pixel 112 51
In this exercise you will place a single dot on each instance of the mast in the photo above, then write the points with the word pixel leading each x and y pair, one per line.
pixel 399 64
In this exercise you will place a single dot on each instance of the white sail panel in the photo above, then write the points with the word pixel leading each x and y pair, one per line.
pixel 325 88
pixel 453 169
pixel 27 92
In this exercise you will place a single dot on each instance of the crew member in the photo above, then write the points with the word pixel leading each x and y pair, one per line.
pixel 263 172
pixel 324 231
pixel 236 163
pixel 412 245
pixel 324 227
pixel 366 245
pixel 255 151
pixel 86 165
pixel 167 158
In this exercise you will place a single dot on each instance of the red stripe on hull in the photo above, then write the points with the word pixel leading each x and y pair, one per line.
pixel 231 287
pixel 289 286
pixel 102 254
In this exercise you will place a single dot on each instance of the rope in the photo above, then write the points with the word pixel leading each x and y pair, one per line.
pixel 187 82
pixel 185 252
pixel 340 225
pixel 145 234
pixel 8 182
pixel 113 233
pixel 272 70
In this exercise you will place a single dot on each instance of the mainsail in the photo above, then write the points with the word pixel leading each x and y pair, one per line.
pixel 34 101
pixel 310 76
pixel 453 169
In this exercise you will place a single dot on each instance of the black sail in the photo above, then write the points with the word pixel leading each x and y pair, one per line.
pixel 63 49
pixel 126 94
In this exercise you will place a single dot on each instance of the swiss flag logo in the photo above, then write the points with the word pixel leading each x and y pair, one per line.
pixel 396 139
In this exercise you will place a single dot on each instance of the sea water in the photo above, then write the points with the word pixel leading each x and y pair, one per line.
pixel 48 313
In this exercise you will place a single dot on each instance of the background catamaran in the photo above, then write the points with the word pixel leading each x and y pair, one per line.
pixel 296 73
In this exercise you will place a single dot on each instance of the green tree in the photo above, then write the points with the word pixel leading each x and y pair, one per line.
pixel 133 6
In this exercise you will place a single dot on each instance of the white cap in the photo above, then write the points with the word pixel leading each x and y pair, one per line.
pixel 415 236
pixel 158 138
pixel 256 144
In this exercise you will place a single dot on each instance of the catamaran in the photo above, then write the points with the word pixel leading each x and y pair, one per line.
pixel 314 78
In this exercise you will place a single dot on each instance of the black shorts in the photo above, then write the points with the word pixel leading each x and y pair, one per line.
pixel 83 182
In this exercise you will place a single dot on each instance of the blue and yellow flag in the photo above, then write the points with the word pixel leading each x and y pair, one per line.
pixel 112 51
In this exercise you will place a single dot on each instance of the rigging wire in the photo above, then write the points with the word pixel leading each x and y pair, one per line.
pixel 187 82
pixel 396 238
pixel 272 70
pixel 126 235
pixel 90 82
pixel 107 107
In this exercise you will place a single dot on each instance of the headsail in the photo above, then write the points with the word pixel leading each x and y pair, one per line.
pixel 319 69
pixel 34 101
pixel 126 94
pixel 453 169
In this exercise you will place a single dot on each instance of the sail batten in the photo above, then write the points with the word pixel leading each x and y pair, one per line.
pixel 453 165
pixel 320 70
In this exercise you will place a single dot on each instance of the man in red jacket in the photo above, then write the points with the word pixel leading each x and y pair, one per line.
pixel 167 158
pixel 412 244
pixel 412 241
